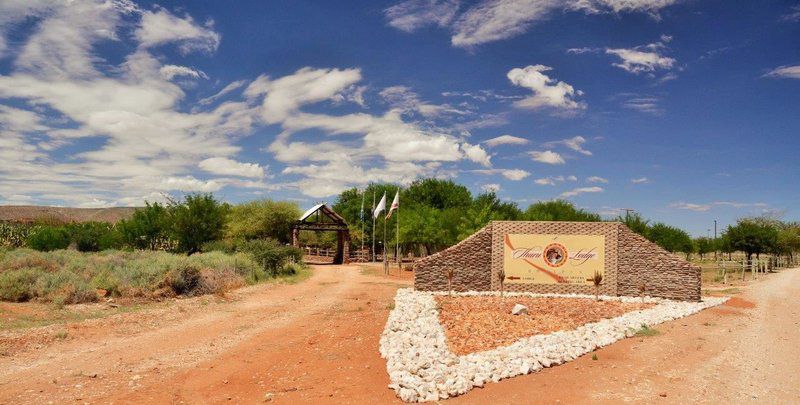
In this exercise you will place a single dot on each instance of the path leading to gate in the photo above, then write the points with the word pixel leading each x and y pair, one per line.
pixel 317 341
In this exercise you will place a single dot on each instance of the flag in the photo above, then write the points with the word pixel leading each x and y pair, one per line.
pixel 381 206
pixel 395 204
pixel 361 213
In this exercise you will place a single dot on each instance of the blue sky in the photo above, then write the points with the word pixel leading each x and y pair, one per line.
pixel 685 111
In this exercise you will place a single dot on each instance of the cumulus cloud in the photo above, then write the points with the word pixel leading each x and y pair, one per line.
pixel 785 72
pixel 547 92
pixel 547 156
pixel 581 190
pixel 229 167
pixel 505 140
pixel 411 15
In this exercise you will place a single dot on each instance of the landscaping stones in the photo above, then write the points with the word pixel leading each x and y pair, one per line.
pixel 519 309
pixel 422 368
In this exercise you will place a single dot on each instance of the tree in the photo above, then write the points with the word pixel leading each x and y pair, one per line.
pixel 788 240
pixel 263 219
pixel 439 194
pixel 670 238
pixel 753 236
pixel 636 223
pixel 558 210
pixel 147 228
pixel 422 225
pixel 704 245
pixel 198 219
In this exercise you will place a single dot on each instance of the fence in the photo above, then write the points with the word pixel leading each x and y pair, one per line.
pixel 738 268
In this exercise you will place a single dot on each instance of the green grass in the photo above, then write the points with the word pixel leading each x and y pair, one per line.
pixel 52 316
pixel 646 331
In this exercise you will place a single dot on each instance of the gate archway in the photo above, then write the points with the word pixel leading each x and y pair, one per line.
pixel 322 218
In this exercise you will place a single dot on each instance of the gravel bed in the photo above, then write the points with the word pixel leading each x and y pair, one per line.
pixel 422 368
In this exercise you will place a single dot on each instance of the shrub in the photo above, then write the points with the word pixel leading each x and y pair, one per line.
pixel 49 238
pixel 147 228
pixel 15 286
pixel 184 279
pixel 197 220
pixel 263 219
pixel 94 236
pixel 271 255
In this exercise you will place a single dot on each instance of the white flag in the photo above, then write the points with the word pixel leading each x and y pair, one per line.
pixel 395 204
pixel 381 206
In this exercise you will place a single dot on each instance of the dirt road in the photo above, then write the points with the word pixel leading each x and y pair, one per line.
pixel 317 342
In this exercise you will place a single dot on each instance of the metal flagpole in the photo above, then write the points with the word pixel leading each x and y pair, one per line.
pixel 361 216
pixel 397 246
pixel 373 226
pixel 385 258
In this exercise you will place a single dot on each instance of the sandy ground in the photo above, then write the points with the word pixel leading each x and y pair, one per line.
pixel 317 342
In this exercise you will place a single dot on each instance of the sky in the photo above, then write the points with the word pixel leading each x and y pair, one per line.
pixel 684 111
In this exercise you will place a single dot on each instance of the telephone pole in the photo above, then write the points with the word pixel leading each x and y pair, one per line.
pixel 628 212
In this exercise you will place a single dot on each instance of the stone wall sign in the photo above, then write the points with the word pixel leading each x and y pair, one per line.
pixel 553 258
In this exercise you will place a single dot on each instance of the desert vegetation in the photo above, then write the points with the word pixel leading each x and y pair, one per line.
pixel 190 247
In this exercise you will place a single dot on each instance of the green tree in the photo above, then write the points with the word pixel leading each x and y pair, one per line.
pixel 147 228
pixel 671 238
pixel 48 238
pixel 423 226
pixel 263 219
pixel 636 223
pixel 439 194
pixel 558 210
pixel 198 219
pixel 788 240
pixel 704 245
pixel 753 236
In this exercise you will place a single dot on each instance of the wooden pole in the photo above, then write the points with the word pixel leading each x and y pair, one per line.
pixel 373 225
pixel 397 236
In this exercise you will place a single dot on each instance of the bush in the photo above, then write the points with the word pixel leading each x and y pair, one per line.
pixel 198 220
pixel 49 238
pixel 263 219
pixel 148 227
pixel 271 255
pixel 184 279
pixel 95 236
pixel 15 286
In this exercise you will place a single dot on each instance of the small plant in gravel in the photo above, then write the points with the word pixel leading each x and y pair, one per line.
pixel 450 273
pixel 642 290
pixel 594 356
pixel 647 331
pixel 597 279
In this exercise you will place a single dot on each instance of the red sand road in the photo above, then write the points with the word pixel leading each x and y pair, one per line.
pixel 317 342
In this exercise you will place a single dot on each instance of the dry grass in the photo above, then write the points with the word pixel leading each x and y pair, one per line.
pixel 474 324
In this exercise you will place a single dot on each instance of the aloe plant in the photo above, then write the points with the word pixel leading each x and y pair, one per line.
pixel 597 279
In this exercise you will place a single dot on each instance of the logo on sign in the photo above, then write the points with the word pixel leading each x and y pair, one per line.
pixel 555 255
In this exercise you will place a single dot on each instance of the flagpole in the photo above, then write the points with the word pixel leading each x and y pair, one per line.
pixel 385 258
pixel 397 246
pixel 373 226
pixel 361 215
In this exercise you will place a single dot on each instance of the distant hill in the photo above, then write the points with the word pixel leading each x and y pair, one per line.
pixel 31 213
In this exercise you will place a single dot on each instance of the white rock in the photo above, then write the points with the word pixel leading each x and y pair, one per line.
pixel 519 309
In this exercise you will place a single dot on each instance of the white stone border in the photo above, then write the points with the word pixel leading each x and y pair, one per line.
pixel 422 368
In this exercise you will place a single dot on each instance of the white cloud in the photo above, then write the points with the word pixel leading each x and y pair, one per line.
pixel 229 167
pixel 491 188
pixel 547 92
pixel 793 14
pixel 233 86
pixel 596 179
pixel 411 15
pixel 643 59
pixel 552 180
pixel 709 206
pixel 511 174
pixel 160 27
pixel 284 96
pixel 188 184
pixel 547 156
pixel 505 140
pixel 170 71
pixel 493 20
pixel 581 190
pixel 645 104
pixel 404 99
pixel 785 72
pixel 640 180
pixel 575 143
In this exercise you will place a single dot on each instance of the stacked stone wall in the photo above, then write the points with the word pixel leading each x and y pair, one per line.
pixel 631 262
